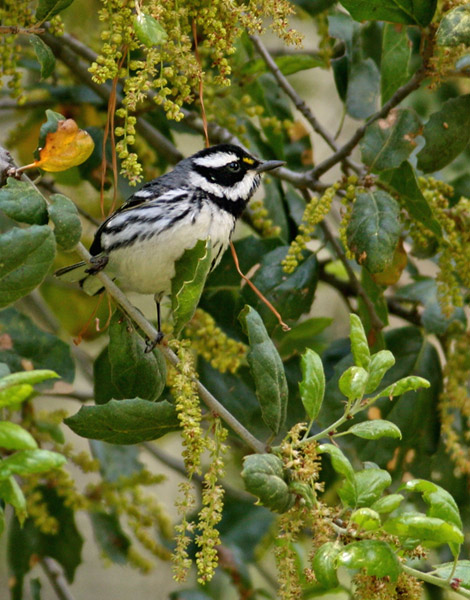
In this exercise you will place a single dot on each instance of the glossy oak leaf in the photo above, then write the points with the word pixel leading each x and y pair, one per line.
pixel 128 421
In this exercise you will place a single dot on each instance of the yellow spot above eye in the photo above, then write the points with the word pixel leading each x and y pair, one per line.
pixel 247 160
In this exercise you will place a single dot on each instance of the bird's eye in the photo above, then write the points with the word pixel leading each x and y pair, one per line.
pixel 234 167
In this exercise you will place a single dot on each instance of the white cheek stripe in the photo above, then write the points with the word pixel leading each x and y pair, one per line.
pixel 216 160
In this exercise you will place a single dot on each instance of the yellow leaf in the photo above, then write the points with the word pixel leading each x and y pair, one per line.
pixel 392 273
pixel 67 147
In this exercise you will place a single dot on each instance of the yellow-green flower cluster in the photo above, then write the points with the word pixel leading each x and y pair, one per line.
pixel 315 211
pixel 454 402
pixel 260 221
pixel 15 13
pixel 210 342
pixel 454 266
pixel 367 587
pixel 291 524
pixel 348 202
pixel 184 390
pixel 212 505
pixel 170 73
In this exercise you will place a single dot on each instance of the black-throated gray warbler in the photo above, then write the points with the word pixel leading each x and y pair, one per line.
pixel 202 197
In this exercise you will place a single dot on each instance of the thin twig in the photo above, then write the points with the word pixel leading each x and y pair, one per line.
pixel 67 53
pixel 349 146
pixel 201 83
pixel 260 295
pixel 14 30
pixel 56 578
pixel 356 285
pixel 299 104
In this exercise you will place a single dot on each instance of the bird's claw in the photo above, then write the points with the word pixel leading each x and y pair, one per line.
pixel 98 263
pixel 151 344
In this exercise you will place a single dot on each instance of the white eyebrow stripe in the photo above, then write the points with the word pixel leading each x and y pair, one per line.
pixel 220 159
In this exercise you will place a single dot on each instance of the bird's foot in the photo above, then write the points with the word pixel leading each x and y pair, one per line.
pixel 151 344
pixel 98 263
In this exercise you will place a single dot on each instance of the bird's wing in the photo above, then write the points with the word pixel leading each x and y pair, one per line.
pixel 155 213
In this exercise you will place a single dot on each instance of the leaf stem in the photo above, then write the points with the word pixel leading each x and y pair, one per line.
pixel 438 581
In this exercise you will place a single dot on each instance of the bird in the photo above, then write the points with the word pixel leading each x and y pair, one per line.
pixel 201 198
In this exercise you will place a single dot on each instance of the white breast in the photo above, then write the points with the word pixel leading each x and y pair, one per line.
pixel 147 266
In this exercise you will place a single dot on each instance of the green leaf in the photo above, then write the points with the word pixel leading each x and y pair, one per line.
pixel 306 334
pixel 50 126
pixel 366 488
pixel 409 12
pixel 116 461
pixel 134 372
pixel 267 370
pixel 109 536
pixel 460 571
pixel 403 180
pixel 149 31
pixel 375 429
pixel 15 437
pixel 363 89
pixel 387 504
pixel 446 134
pixel 67 225
pixel 10 493
pixel 25 462
pixel 396 54
pixel 291 295
pixel 388 142
pixel 352 382
pixel 366 519
pixel 27 541
pixel 13 396
pixel 374 229
pixel 312 386
pixel 375 557
pixel 125 421
pixel 44 55
pixel 404 385
pixel 20 201
pixel 287 64
pixel 441 503
pixel 424 529
pixel 25 344
pixel 424 290
pixel 27 255
pixel 263 475
pixel 186 286
pixel 26 377
pixel 338 460
pixel 324 564
pixel 380 363
pixel 359 345
pixel 49 8
pixel 454 28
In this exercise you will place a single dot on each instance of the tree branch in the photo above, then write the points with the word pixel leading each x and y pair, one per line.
pixel 349 146
pixel 149 330
pixel 56 578
pixel 68 51
pixel 357 287
pixel 299 103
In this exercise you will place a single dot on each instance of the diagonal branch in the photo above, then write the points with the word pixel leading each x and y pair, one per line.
pixel 68 49
pixel 299 103
pixel 149 330
pixel 349 146
pixel 355 284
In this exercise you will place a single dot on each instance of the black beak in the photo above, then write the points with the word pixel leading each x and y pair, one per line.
pixel 268 165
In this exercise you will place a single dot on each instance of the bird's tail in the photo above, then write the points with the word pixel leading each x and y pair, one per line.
pixel 79 273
